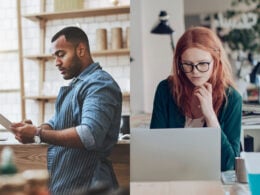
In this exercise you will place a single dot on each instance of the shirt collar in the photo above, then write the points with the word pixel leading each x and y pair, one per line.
pixel 90 69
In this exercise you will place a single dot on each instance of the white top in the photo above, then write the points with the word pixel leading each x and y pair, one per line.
pixel 197 122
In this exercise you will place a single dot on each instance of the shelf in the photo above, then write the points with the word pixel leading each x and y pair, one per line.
pixel 46 57
pixel 9 90
pixel 251 127
pixel 50 98
pixel 9 51
pixel 124 51
pixel 41 98
pixel 78 13
pixel 39 57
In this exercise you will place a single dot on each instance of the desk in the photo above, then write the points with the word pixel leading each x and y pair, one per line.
pixel 182 188
pixel 177 187
pixel 33 156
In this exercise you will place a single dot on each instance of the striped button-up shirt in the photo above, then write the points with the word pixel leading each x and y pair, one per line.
pixel 92 103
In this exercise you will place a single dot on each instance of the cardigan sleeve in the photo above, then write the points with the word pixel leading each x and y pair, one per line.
pixel 159 115
pixel 231 130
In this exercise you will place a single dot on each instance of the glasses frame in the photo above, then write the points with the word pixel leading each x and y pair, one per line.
pixel 194 65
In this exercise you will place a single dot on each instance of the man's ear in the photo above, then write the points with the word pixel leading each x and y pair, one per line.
pixel 81 49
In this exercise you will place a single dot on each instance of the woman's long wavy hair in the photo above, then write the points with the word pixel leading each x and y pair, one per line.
pixel 221 78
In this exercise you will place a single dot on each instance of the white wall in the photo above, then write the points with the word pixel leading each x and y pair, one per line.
pixel 152 54
pixel 205 6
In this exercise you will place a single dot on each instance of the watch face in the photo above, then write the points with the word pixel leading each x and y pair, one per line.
pixel 37 139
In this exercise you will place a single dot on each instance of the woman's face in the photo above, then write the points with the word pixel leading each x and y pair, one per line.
pixel 197 64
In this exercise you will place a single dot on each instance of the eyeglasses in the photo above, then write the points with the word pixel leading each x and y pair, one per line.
pixel 201 67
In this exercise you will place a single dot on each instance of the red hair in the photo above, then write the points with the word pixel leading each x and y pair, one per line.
pixel 221 78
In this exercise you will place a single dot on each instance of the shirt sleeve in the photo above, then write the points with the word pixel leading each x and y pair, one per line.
pixel 101 107
pixel 86 136
pixel 50 122
pixel 231 130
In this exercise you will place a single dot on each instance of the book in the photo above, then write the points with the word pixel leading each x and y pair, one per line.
pixel 251 119
pixel 255 108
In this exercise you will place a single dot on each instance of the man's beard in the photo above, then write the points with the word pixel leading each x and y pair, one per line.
pixel 74 70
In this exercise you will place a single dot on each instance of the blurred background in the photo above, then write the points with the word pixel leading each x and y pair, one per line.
pixel 29 80
pixel 237 22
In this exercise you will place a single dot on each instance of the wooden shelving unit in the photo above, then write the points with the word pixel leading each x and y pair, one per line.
pixel 45 57
pixel 41 98
pixel 9 90
pixel 42 18
pixel 17 51
pixel 53 98
pixel 111 52
pixel 79 13
pixel 95 53
pixel 8 51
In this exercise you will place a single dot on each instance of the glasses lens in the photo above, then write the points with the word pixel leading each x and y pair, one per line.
pixel 187 68
pixel 203 66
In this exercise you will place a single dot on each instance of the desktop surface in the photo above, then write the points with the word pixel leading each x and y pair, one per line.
pixel 177 187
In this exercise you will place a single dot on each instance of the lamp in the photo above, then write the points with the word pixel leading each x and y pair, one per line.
pixel 163 27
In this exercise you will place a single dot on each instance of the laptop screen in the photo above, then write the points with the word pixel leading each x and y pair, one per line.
pixel 175 154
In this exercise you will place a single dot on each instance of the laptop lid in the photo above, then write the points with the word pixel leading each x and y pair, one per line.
pixel 175 154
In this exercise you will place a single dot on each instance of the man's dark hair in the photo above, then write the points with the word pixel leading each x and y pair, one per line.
pixel 73 35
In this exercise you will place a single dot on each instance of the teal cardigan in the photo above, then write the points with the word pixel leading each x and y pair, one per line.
pixel 166 114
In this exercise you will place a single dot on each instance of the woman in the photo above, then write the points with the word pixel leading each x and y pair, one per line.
pixel 200 92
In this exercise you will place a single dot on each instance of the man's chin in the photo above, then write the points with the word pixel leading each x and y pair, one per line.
pixel 66 77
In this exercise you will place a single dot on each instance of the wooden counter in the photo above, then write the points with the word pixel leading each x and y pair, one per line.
pixel 33 156
pixel 120 158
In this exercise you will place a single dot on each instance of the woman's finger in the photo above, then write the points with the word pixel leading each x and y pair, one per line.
pixel 208 87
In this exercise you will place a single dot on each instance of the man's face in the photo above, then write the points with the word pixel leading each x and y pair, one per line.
pixel 66 58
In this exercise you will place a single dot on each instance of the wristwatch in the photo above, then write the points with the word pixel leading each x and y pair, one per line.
pixel 37 137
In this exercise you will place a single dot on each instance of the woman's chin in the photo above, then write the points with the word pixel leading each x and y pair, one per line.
pixel 198 84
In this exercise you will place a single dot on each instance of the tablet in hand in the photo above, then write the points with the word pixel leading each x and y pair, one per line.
pixel 5 122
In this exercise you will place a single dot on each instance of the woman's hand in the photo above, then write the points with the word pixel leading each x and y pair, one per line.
pixel 204 95
pixel 24 132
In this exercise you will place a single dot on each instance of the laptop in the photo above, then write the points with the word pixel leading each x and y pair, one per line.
pixel 175 154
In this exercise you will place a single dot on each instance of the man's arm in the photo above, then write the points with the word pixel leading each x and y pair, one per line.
pixel 25 133
pixel 103 100
pixel 67 137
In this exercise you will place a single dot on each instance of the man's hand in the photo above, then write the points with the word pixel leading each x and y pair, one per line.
pixel 28 121
pixel 24 132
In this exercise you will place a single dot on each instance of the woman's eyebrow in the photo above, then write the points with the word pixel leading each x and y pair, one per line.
pixel 194 62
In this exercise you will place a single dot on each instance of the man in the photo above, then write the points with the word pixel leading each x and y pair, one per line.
pixel 86 122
